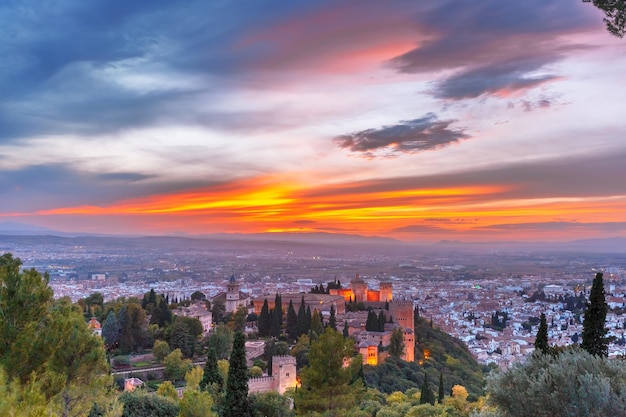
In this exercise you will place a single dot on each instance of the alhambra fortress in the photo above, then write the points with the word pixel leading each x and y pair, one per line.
pixel 372 345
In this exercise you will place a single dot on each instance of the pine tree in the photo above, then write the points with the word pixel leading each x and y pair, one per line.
pixel 594 331
pixel 264 323
pixel 110 330
pixel 332 320
pixel 292 322
pixel 236 398
pixel 441 393
pixel 541 341
pixel 211 372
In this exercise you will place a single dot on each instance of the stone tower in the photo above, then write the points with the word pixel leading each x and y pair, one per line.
pixel 359 288
pixel 284 372
pixel 402 313
pixel 232 295
pixel 386 291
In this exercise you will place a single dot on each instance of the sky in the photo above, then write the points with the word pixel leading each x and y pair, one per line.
pixel 420 121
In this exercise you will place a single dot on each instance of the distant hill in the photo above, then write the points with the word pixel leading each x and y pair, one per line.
pixel 599 245
pixel 15 228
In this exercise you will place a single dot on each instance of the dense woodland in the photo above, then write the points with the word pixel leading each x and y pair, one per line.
pixel 52 364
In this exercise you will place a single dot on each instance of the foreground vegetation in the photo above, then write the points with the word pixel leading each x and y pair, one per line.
pixel 52 364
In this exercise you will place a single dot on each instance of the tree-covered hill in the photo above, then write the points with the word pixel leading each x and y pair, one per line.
pixel 436 352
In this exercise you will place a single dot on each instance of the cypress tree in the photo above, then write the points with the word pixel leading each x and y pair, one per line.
pixel 211 372
pixel 236 398
pixel 332 320
pixel 274 323
pixel 427 396
pixel 292 322
pixel 264 320
pixel 541 341
pixel 278 307
pixel 594 331
pixel 441 393
pixel 345 329
pixel 308 318
pixel 381 321
pixel 110 330
pixel 302 328
pixel 371 324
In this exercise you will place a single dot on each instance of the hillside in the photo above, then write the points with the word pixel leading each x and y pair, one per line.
pixel 436 352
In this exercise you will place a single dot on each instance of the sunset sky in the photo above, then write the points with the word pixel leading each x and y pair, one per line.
pixel 476 120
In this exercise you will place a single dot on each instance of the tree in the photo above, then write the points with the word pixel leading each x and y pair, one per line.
pixel 211 373
pixel 239 319
pixel 278 308
pixel 175 366
pixel 441 392
pixel 167 390
pixel 264 323
pixel 196 404
pixel 274 323
pixel 303 328
pixel 160 350
pixel 193 378
pixel 236 398
pixel 396 343
pixel 198 296
pixel 328 386
pixel 218 309
pixel 271 404
pixel 111 330
pixel 573 384
pixel 427 396
pixel 25 300
pixel 221 339
pixel 141 404
pixel 181 338
pixel 346 332
pixel 541 341
pixel 332 320
pixel 594 338
pixel 292 322
pixel 316 323
pixel 615 15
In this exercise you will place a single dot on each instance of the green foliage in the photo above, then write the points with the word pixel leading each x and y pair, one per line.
pixel 316 323
pixel 463 370
pixel 140 404
pixel 426 395
pixel 571 384
pixel 396 344
pixel 240 319
pixel 264 322
pixel 196 404
pixel 326 385
pixel 133 328
pixel 236 398
pixel 167 390
pixel 111 331
pixel 175 366
pixel 541 341
pixel 614 15
pixel 160 350
pixel 271 404
pixel 211 373
pixel 292 322
pixel 594 330
pixel 221 339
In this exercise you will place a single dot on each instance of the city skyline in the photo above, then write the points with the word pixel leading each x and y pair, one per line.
pixel 478 121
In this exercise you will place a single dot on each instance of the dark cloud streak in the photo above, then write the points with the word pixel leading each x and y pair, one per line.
pixel 410 136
